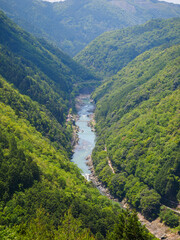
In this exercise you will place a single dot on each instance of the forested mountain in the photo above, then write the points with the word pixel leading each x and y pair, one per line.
pixel 34 66
pixel 42 193
pixel 42 72
pixel 112 51
pixel 72 24
pixel 137 118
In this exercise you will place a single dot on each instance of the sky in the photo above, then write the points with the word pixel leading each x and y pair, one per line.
pixel 171 1
pixel 53 0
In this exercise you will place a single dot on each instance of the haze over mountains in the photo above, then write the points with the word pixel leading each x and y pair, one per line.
pixel 142 64
pixel 134 76
pixel 42 193
pixel 72 24
pixel 137 121
pixel 171 1
pixel 112 51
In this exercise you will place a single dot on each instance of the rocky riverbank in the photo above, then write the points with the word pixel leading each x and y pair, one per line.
pixel 73 118
pixel 94 179
pixel 155 227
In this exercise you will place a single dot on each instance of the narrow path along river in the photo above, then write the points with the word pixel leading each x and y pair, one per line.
pixel 86 143
pixel 84 148
pixel 86 136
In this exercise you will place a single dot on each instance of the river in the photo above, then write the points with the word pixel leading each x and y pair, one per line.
pixel 84 148
pixel 86 136
pixel 86 143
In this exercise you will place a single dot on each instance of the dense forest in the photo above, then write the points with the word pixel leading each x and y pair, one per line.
pixel 44 196
pixel 112 51
pixel 137 115
pixel 42 193
pixel 72 24
pixel 137 119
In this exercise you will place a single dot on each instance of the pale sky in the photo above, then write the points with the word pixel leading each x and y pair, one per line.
pixel 170 1
pixel 53 0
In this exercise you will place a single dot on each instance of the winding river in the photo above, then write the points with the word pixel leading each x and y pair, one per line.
pixel 84 148
pixel 86 142
pixel 86 136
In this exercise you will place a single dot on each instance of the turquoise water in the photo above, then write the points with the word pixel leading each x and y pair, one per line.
pixel 87 137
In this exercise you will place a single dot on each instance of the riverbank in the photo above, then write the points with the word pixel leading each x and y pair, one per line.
pixel 85 136
pixel 87 122
pixel 79 101
pixel 73 118
pixel 156 227
pixel 94 179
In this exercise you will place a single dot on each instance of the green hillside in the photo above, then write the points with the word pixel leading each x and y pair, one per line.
pixel 35 67
pixel 72 24
pixel 45 74
pixel 44 196
pixel 42 193
pixel 113 50
pixel 137 118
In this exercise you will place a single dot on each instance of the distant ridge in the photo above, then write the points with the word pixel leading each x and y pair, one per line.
pixel 111 51
pixel 42 193
pixel 73 24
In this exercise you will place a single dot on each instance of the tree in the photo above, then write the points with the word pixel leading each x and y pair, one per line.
pixel 71 229
pixel 168 217
pixel 128 227
pixel 150 203
pixel 41 227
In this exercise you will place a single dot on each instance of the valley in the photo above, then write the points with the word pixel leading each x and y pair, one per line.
pixel 82 157
pixel 72 24
pixel 86 137
pixel 122 88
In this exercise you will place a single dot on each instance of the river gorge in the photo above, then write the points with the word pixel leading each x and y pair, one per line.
pixel 86 136
pixel 82 157
pixel 86 142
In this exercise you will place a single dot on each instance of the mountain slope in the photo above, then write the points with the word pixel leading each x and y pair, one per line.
pixel 35 67
pixel 111 51
pixel 42 72
pixel 52 61
pixel 38 183
pixel 72 24
pixel 137 125
pixel 42 193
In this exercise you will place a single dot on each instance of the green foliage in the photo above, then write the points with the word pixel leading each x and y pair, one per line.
pixel 116 186
pixel 129 229
pixel 35 210
pixel 17 171
pixel 38 182
pixel 150 203
pixel 41 227
pixel 38 69
pixel 60 183
pixel 38 116
pixel 112 51
pixel 71 228
pixel 44 73
pixel 137 119
pixel 166 182
pixel 42 194
pixel 39 206
pixel 72 24
pixel 168 217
